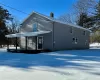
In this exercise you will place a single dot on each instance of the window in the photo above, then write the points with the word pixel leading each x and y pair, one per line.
pixel 75 40
pixel 86 42
pixel 71 31
pixel 30 42
pixel 35 27
pixel 84 33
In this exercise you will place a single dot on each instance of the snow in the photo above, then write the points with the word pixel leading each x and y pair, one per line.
pixel 59 65
pixel 10 47
pixel 95 45
pixel 23 34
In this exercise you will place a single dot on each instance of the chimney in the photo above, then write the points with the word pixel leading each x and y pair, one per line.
pixel 52 15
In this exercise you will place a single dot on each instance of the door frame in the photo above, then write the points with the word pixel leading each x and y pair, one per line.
pixel 38 44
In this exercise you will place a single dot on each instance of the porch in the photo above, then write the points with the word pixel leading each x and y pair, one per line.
pixel 38 47
pixel 26 51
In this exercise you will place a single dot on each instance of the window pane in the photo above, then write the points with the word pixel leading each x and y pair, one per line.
pixel 34 27
pixel 75 40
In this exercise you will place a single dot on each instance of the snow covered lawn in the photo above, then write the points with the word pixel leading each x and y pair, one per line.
pixel 60 65
pixel 95 45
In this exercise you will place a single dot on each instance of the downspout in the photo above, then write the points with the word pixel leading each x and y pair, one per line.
pixel 53 36
pixel 16 43
pixel 36 43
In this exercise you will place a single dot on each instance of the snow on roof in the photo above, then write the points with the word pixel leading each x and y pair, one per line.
pixel 27 34
pixel 55 20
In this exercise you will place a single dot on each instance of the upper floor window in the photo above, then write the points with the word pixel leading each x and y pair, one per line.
pixel 84 33
pixel 35 27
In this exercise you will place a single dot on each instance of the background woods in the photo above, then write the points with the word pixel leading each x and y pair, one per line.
pixel 8 24
pixel 86 13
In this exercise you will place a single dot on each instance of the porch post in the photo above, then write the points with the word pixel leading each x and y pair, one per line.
pixel 36 43
pixel 26 42
pixel 8 44
pixel 16 43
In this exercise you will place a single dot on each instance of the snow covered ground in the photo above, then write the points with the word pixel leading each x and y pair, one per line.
pixel 95 45
pixel 60 65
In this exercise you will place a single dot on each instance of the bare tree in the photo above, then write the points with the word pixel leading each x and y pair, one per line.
pixel 84 6
pixel 14 25
pixel 83 9
pixel 67 18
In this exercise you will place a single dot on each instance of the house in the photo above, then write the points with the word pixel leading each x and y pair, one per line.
pixel 40 32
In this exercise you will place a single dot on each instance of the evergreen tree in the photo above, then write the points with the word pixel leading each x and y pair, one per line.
pixel 4 16
pixel 82 9
pixel 84 20
pixel 96 18
pixel 97 11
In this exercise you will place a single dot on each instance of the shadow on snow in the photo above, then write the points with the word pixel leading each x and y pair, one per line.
pixel 66 59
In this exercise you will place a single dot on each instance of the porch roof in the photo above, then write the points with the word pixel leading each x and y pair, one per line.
pixel 27 34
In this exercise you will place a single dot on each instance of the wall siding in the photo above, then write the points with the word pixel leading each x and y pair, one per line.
pixel 27 26
pixel 63 38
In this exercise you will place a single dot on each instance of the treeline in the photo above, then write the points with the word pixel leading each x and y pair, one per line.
pixel 8 24
pixel 85 13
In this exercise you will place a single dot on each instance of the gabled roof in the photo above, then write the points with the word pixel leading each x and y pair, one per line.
pixel 55 20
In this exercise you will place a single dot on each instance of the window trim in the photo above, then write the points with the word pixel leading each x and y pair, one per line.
pixel 36 27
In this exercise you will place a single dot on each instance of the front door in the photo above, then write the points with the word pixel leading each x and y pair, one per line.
pixel 40 42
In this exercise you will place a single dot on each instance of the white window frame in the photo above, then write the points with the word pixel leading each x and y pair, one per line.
pixel 35 23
